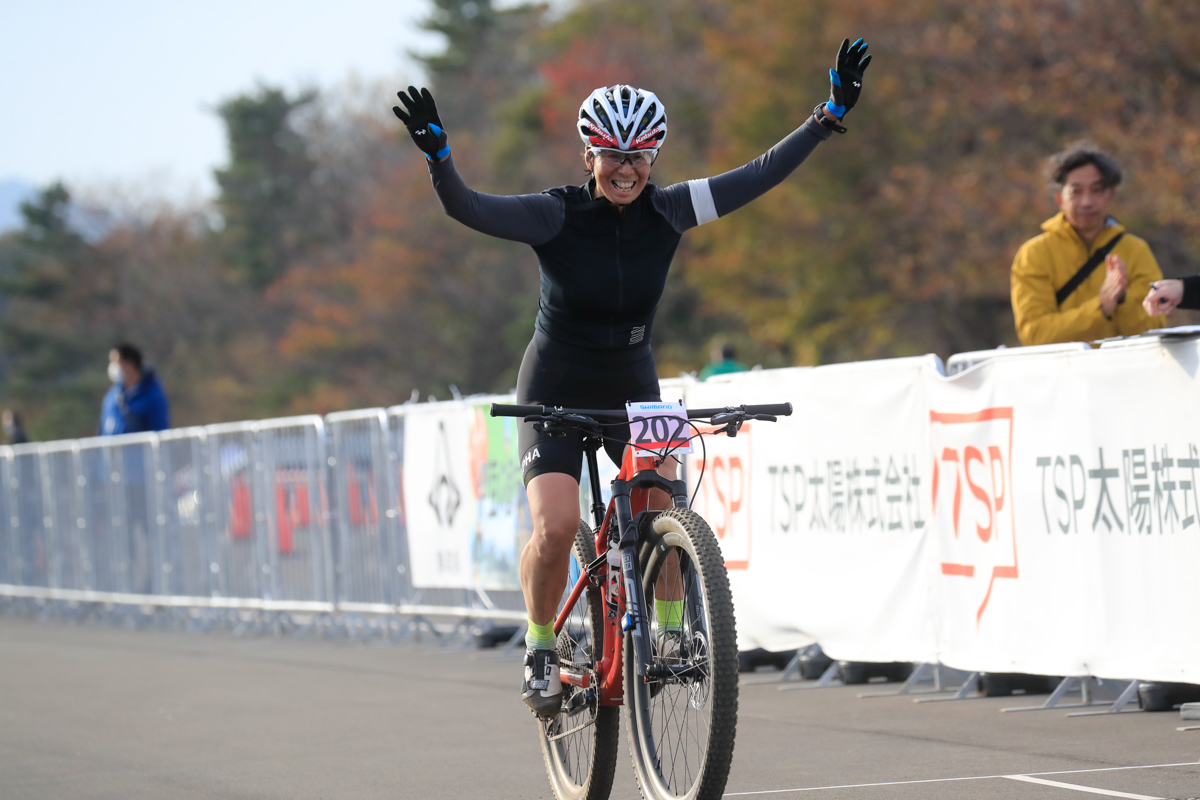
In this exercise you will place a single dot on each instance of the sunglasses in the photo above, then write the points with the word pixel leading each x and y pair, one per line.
pixel 615 158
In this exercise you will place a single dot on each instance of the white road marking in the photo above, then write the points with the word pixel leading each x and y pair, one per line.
pixel 1078 788
pixel 969 778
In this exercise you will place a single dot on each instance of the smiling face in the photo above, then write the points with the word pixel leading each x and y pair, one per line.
pixel 1085 199
pixel 619 183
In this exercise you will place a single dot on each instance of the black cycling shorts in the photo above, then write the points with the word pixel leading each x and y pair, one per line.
pixel 555 374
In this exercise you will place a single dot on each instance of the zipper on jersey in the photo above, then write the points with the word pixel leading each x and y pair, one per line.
pixel 620 285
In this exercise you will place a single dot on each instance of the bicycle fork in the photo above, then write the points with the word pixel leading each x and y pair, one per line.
pixel 636 622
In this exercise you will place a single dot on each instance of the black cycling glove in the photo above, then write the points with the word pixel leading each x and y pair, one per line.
pixel 423 123
pixel 846 80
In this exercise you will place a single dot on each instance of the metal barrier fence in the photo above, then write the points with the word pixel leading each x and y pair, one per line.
pixel 364 464
pixel 295 516
pixel 302 515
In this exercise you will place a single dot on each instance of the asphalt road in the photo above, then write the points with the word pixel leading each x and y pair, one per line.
pixel 91 712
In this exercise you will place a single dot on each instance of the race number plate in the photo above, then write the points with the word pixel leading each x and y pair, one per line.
pixel 656 426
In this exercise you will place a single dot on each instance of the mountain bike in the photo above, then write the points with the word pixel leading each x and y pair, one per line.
pixel 678 676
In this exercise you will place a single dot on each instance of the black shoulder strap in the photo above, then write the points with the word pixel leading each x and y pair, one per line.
pixel 1087 269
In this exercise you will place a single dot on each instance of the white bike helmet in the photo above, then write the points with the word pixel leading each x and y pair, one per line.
pixel 622 118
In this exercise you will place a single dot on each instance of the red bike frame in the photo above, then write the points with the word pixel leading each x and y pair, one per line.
pixel 610 667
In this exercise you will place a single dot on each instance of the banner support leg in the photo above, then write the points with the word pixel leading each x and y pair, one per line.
pixel 1128 695
pixel 969 690
pixel 828 679
pixel 792 669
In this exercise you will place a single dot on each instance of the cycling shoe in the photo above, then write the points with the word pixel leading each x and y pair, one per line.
pixel 542 687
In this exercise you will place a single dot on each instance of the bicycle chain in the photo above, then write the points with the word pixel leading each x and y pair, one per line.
pixel 557 736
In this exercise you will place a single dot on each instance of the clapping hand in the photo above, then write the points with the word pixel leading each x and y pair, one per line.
pixel 1116 282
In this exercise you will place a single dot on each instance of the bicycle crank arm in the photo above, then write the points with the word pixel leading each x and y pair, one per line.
pixel 581 679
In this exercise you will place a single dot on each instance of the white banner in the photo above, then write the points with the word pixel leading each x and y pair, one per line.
pixel 465 495
pixel 437 488
pixel 823 515
pixel 1068 525
pixel 1038 513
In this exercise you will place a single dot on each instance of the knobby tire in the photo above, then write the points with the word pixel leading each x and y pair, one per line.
pixel 681 731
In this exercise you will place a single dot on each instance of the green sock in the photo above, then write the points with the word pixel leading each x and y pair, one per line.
pixel 670 614
pixel 540 637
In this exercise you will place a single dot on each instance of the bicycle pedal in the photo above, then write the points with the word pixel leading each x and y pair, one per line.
pixel 576 703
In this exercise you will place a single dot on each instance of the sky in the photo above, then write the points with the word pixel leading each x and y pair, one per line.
pixel 123 92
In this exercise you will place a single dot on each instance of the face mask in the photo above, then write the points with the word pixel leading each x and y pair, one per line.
pixel 114 372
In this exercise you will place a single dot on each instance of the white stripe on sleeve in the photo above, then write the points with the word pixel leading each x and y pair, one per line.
pixel 702 201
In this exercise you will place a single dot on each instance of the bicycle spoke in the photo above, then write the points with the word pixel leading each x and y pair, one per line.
pixel 569 736
pixel 678 710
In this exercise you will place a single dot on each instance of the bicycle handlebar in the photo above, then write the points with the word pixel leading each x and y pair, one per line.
pixel 507 410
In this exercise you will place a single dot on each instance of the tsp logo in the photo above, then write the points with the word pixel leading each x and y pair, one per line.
pixel 724 493
pixel 973 499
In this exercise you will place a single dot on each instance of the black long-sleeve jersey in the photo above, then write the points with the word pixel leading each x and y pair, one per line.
pixel 603 271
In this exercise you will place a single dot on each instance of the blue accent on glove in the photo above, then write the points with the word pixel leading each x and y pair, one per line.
pixel 860 41
pixel 445 151
pixel 836 80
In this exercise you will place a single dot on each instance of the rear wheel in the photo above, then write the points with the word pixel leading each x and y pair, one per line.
pixel 681 728
pixel 580 744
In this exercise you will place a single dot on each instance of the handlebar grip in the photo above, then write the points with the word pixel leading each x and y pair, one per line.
pixel 506 410
pixel 774 409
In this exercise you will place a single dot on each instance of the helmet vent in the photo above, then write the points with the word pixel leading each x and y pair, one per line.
pixel 623 118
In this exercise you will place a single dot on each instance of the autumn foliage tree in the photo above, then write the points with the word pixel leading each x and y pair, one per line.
pixel 410 301
pixel 334 279
pixel 897 239
pixel 69 298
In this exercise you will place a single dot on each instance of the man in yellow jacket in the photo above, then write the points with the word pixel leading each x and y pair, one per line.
pixel 1108 301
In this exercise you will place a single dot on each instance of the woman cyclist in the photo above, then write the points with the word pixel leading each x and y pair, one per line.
pixel 604 249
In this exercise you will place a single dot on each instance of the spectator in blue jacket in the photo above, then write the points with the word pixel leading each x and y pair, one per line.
pixel 136 402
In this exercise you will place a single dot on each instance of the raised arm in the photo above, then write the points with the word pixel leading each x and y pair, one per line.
pixel 734 189
pixel 700 201
pixel 530 218
pixel 696 202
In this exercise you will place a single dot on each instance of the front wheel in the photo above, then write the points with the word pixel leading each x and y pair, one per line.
pixel 580 744
pixel 681 728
